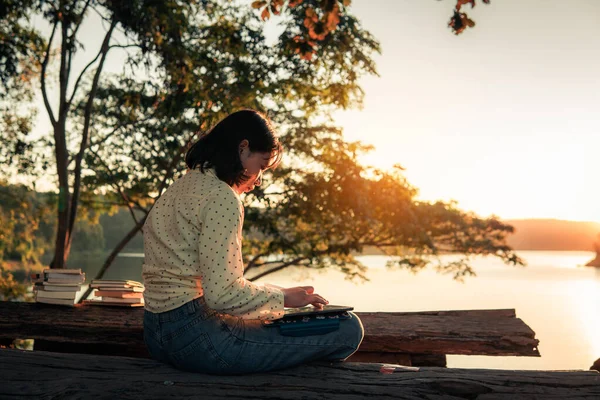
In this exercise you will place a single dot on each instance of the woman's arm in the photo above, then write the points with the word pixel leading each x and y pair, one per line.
pixel 221 267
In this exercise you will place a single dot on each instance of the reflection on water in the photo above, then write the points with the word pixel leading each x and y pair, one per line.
pixel 555 295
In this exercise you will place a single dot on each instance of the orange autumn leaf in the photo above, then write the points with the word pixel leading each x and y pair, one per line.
pixel 258 4
pixel 318 31
pixel 274 9
pixel 276 6
pixel 311 14
pixel 333 18
pixel 265 15
pixel 468 21
pixel 460 3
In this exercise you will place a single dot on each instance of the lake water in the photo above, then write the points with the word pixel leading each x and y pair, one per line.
pixel 554 294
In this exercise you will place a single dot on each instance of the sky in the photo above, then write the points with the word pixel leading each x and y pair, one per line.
pixel 504 119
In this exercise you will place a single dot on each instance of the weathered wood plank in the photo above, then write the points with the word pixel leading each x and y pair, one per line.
pixel 44 375
pixel 448 334
pixel 381 357
pixel 476 332
pixel 417 360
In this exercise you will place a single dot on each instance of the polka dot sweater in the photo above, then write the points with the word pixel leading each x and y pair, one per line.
pixel 193 248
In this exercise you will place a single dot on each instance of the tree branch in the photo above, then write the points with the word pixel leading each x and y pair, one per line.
pixel 252 263
pixel 278 268
pixel 261 264
pixel 114 131
pixel 109 260
pixel 43 77
pixel 86 126
pixel 76 86
pixel 87 3
pixel 139 206
pixel 124 46
pixel 63 77
pixel 172 165
pixel 118 187
pixel 100 14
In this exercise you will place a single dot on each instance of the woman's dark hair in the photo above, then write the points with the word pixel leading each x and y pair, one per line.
pixel 219 148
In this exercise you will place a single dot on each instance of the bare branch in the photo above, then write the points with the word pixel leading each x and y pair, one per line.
pixel 172 165
pixel 125 198
pixel 114 131
pixel 87 3
pixel 100 14
pixel 109 260
pixel 81 76
pixel 112 203
pixel 124 46
pixel 278 268
pixel 75 87
pixel 43 78
pixel 86 126
pixel 262 264
pixel 63 74
pixel 252 263
pixel 139 206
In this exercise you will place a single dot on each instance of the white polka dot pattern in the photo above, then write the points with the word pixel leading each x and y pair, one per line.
pixel 193 248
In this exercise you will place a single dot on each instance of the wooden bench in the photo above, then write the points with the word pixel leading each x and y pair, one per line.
pixel 408 338
pixel 46 375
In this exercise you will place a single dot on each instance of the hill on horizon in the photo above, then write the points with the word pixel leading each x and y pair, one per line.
pixel 553 234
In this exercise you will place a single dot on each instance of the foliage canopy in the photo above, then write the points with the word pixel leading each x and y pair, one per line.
pixel 191 63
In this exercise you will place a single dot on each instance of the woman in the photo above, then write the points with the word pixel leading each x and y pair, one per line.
pixel 201 314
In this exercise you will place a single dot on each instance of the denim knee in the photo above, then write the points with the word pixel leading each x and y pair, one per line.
pixel 356 331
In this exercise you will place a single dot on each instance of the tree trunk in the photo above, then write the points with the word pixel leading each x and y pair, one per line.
pixel 61 150
pixel 62 232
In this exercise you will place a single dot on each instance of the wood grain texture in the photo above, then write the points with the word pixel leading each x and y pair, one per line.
pixel 45 375
pixel 103 330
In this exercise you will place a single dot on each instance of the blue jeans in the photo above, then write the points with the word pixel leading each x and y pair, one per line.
pixel 196 338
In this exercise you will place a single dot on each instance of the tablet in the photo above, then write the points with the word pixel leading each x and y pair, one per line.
pixel 310 310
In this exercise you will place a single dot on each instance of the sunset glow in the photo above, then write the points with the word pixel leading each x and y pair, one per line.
pixel 503 120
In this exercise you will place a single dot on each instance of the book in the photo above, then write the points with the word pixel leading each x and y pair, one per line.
pixel 42 294
pixel 65 281
pixel 115 287
pixel 59 286
pixel 111 303
pixel 62 275
pixel 65 278
pixel 58 275
pixel 62 302
pixel 62 271
pixel 56 288
pixel 52 288
pixel 118 294
pixel 123 300
pixel 115 283
pixel 120 289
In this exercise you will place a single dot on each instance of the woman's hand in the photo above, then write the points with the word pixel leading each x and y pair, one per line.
pixel 301 296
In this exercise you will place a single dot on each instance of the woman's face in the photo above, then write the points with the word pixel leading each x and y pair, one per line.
pixel 255 163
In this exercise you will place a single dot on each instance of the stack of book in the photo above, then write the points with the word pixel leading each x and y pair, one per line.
pixel 57 286
pixel 122 293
